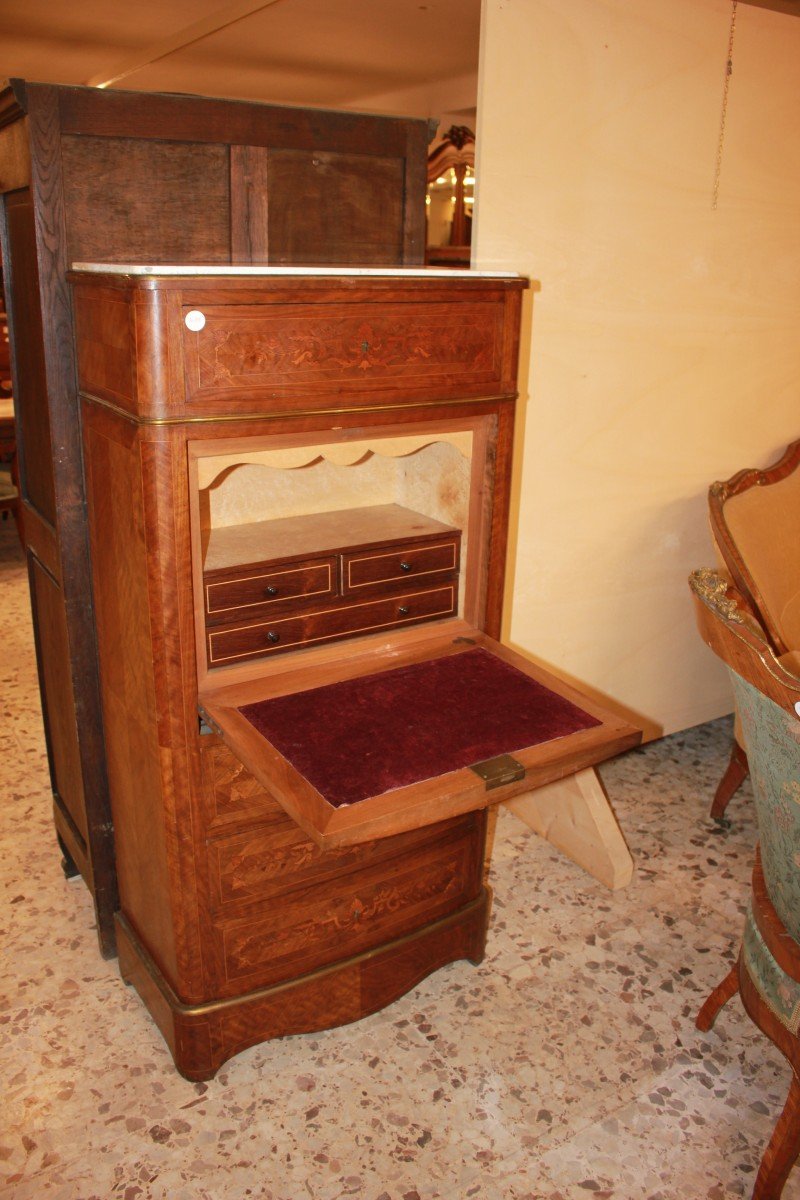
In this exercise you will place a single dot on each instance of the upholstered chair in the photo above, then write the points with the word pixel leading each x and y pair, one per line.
pixel 754 519
pixel 767 974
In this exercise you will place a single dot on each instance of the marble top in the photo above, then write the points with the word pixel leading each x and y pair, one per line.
pixel 194 269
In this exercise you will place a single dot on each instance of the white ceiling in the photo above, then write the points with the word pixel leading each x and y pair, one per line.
pixel 412 57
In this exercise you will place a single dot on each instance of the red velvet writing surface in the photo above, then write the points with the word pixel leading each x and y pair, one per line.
pixel 366 736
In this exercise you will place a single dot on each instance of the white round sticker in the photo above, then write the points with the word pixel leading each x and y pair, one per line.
pixel 194 320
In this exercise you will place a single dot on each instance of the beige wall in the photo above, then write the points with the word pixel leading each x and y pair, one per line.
pixel 664 342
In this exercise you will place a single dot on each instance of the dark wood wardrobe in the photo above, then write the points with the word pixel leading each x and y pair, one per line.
pixel 129 177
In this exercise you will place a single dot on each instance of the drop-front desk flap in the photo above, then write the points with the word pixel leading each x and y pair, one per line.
pixel 377 750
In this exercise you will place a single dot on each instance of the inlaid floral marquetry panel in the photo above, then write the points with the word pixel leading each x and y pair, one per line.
pixel 377 904
pixel 230 792
pixel 243 347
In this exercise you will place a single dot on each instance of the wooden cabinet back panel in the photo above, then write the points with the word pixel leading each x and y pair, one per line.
pixel 329 207
pixel 128 196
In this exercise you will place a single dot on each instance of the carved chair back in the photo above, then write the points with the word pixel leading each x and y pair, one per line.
pixel 754 520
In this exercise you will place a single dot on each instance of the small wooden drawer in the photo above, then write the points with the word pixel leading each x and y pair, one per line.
pixel 379 567
pixel 226 595
pixel 276 858
pixel 257 639
pixel 316 908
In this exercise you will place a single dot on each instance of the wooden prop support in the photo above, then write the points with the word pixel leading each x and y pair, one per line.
pixel 575 816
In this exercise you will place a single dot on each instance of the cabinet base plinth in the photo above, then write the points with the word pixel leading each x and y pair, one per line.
pixel 201 1037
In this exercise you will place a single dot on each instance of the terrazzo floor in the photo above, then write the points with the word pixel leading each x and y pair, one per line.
pixel 567 1065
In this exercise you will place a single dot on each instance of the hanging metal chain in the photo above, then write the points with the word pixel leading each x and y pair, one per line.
pixel 724 115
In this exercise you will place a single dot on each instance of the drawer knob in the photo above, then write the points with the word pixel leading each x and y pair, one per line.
pixel 271 591
pixel 273 637
pixel 405 566
pixel 403 610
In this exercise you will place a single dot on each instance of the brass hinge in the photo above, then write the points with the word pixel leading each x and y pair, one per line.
pixel 498 771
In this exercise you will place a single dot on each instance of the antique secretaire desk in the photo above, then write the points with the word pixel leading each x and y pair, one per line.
pixel 298 487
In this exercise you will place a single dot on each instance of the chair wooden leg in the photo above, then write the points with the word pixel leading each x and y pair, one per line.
pixel 735 774
pixel 782 1151
pixel 720 995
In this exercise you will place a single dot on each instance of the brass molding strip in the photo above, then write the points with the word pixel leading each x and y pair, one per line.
pixel 283 414
pixel 232 1003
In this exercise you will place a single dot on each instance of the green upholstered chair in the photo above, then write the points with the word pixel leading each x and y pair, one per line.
pixel 754 519
pixel 767 974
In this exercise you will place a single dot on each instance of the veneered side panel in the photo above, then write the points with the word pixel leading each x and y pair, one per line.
pixel 119 553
